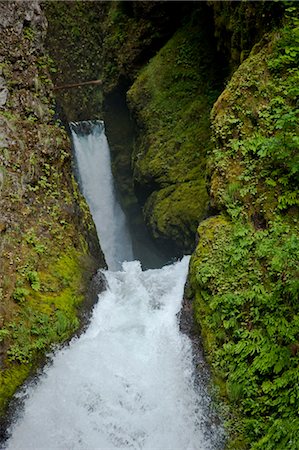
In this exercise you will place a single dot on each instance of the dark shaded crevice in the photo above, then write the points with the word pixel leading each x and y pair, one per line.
pixel 238 26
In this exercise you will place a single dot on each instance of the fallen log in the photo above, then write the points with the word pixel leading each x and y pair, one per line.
pixel 73 85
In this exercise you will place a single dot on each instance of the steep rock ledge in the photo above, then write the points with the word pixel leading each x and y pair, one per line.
pixel 113 41
pixel 48 244
pixel 189 67
pixel 239 25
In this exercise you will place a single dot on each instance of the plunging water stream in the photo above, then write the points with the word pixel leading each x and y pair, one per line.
pixel 127 382
pixel 95 177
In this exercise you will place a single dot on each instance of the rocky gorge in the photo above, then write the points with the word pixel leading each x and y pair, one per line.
pixel 211 96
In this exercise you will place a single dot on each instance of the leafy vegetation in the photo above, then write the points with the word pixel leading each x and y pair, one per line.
pixel 244 273
pixel 260 131
pixel 29 33
pixel 246 285
pixel 49 316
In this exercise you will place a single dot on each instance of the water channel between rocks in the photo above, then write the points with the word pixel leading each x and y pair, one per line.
pixel 128 381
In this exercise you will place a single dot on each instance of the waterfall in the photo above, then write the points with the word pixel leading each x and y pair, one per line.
pixel 93 164
pixel 127 382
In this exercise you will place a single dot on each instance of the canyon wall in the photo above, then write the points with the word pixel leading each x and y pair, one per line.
pixel 48 245
pixel 212 90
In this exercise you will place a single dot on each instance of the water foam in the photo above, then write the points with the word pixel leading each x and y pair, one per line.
pixel 127 382
pixel 93 162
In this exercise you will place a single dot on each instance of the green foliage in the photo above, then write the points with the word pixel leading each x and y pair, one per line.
pixel 244 272
pixel 29 33
pixel 32 240
pixel 33 279
pixel 247 299
pixel 46 315
pixel 43 332
pixel 286 52
pixel 45 62
pixel 38 296
pixel 261 131
pixel 8 115
pixel 3 334
pixel 20 294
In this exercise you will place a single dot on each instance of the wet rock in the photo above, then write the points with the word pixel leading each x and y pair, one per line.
pixel 7 14
pixel 3 139
pixel 35 185
pixel 3 92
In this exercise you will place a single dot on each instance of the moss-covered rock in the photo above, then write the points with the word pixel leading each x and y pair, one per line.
pixel 48 245
pixel 171 101
pixel 110 41
pixel 74 37
pixel 210 231
pixel 254 162
pixel 238 25
pixel 244 272
pixel 133 32
pixel 165 212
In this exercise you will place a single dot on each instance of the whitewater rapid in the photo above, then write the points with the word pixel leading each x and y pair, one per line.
pixel 128 381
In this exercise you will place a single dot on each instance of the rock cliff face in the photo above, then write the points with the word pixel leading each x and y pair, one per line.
pixel 48 244
pixel 240 25
pixel 73 40
pixel 172 95
pixel 171 101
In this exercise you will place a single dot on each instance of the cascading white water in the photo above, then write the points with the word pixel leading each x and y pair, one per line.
pixel 127 382
pixel 93 163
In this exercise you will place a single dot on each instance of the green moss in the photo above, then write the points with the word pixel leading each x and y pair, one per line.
pixel 45 254
pixel 132 33
pixel 48 316
pixel 244 272
pixel 172 103
pixel 8 382
pixel 210 230
pixel 165 212
pixel 171 100
pixel 255 126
